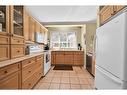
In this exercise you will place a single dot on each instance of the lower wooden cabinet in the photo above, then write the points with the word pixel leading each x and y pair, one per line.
pixel 53 56
pixel 67 57
pixel 22 75
pixel 32 70
pixel 11 82
pixel 10 76
pixel 59 58
pixel 78 58
pixel 32 80
pixel 4 52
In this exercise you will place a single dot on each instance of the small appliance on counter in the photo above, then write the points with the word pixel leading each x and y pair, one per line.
pixel 46 47
pixel 33 49
pixel 79 46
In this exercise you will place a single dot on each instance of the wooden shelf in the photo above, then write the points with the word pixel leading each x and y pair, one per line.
pixel 18 12
pixel 19 25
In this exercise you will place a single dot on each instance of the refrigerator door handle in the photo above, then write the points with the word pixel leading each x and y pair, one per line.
pixel 114 79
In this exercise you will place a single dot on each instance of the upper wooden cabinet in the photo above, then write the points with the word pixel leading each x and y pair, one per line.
pixel 118 8
pixel 4 52
pixel 37 27
pixel 16 20
pixel 32 29
pixel 108 11
pixel 26 26
pixel 4 19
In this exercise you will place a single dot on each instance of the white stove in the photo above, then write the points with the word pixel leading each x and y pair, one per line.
pixel 47 61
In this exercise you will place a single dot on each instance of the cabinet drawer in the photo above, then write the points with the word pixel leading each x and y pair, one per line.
pixel 106 13
pixel 17 51
pixel 60 52
pixel 27 62
pixel 39 63
pixel 32 80
pixel 30 67
pixel 11 81
pixel 4 39
pixel 4 52
pixel 28 71
pixel 5 71
pixel 78 52
pixel 17 40
pixel 69 52
pixel 39 57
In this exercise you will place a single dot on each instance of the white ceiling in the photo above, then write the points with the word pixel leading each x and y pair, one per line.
pixel 59 14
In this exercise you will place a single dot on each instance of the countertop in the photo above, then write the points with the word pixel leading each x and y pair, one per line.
pixel 11 61
pixel 66 50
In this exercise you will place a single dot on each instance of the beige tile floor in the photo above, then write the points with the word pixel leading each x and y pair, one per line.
pixel 79 79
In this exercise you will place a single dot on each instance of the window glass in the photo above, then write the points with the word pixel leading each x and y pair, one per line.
pixel 61 40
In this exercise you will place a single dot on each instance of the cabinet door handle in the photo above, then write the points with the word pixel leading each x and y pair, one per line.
pixel 18 41
pixel 18 51
pixel 29 71
pixel 5 72
pixel 29 84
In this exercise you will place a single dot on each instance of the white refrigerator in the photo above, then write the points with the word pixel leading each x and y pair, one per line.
pixel 111 54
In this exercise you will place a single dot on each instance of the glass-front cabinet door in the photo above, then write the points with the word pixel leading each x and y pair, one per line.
pixel 17 15
pixel 4 19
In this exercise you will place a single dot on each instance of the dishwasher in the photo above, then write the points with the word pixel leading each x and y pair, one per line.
pixel 89 62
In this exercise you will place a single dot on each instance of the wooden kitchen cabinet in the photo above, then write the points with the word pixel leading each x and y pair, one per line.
pixel 4 39
pixel 32 71
pixel 53 56
pixel 26 26
pixel 23 74
pixel 11 82
pixel 4 20
pixel 4 52
pixel 4 33
pixel 37 27
pixel 118 8
pixel 32 80
pixel 79 58
pixel 32 29
pixel 17 51
pixel 28 70
pixel 10 77
pixel 67 57
pixel 105 13
pixel 17 40
pixel 59 58
pixel 16 20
